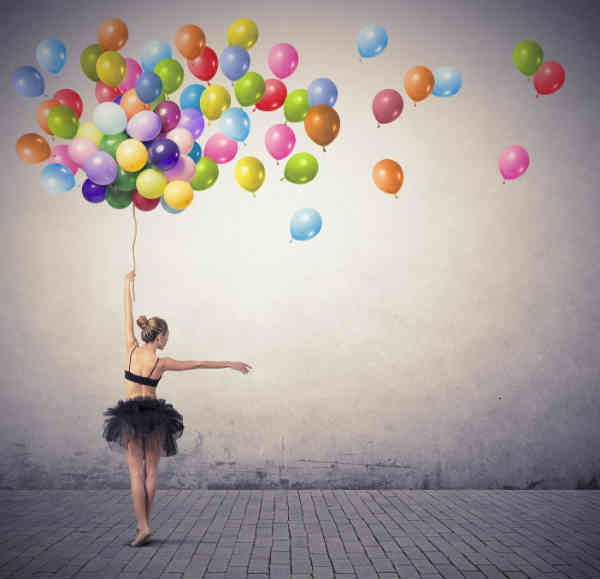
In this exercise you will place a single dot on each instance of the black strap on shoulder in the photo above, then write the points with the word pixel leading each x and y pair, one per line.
pixel 132 349
pixel 155 363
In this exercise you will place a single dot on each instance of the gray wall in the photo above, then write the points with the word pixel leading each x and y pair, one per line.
pixel 444 339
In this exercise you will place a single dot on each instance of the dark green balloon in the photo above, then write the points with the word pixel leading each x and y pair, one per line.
pixel 249 89
pixel 125 181
pixel 110 143
pixel 296 105
pixel 207 172
pixel 118 199
pixel 528 57
pixel 301 168
pixel 88 60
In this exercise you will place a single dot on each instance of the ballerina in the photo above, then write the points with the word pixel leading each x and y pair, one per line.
pixel 142 426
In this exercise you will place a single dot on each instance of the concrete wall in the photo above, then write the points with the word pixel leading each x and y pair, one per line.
pixel 444 339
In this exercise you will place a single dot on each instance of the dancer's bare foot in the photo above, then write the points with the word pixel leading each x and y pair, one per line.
pixel 142 537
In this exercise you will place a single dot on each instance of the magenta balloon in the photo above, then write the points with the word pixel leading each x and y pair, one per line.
pixel 220 149
pixel 169 114
pixel 101 168
pixel 144 126
pixel 387 105
pixel 80 149
pixel 280 141
pixel 60 154
pixel 133 71
pixel 193 121
pixel 513 161
pixel 283 59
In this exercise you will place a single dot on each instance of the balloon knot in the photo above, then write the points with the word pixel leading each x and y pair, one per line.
pixel 277 163
pixel 537 95
pixel 324 150
pixel 244 143
pixel 378 125
pixel 291 240
pixel 414 104
pixel 282 179
pixel 503 182
pixel 253 109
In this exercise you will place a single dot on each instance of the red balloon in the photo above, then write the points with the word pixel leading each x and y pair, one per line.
pixel 274 97
pixel 387 106
pixel 143 203
pixel 549 77
pixel 206 65
pixel 71 99
pixel 105 93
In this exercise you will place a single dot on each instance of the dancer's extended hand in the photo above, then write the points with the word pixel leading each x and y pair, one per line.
pixel 130 275
pixel 240 367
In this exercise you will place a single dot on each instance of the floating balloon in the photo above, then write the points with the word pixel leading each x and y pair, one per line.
pixel 63 122
pixel 296 105
pixel 118 99
pixel 220 149
pixel 51 55
pixel 163 153
pixel 196 153
pixel 193 121
pixel 113 34
pixel 88 61
pixel 110 118
pixel 387 106
pixel 101 168
pixel 148 87
pixel 134 70
pixel 28 82
pixel 388 176
pixel 274 97
pixel 169 114
pixel 71 99
pixel 283 59
pixel 528 57
pixel 132 105
pixel 190 40
pixel 242 32
pixel 90 131
pixel 418 83
pixel 280 141
pixel 80 149
pixel 322 124
pixel 131 155
pixel 235 62
pixel 42 113
pixel 144 126
pixel 143 203
pixel 249 89
pixel 322 91
pixel 56 178
pixel 214 100
pixel 111 68
pixel 167 208
pixel 93 192
pixel 447 81
pixel 207 172
pixel 235 124
pixel 125 181
pixel 151 183
pixel 60 154
pixel 182 138
pixel 118 199
pixel 32 148
pixel 301 168
pixel 178 194
pixel 105 93
pixel 305 224
pixel 184 170
pixel 190 96
pixel 549 78
pixel 513 162
pixel 153 52
pixel 371 41
pixel 249 172
pixel 205 65
pixel 110 143
pixel 171 74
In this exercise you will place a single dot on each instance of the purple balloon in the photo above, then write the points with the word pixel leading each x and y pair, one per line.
pixel 144 126
pixel 193 121
pixel 163 154
pixel 101 168
pixel 513 161
pixel 220 149
pixel 169 114
pixel 387 105
pixel 92 192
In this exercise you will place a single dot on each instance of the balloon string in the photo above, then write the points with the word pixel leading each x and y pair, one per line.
pixel 133 249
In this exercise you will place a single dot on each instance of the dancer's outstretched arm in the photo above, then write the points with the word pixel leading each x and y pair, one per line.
pixel 172 364
pixel 130 339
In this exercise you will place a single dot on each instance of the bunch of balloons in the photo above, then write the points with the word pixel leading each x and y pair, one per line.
pixel 528 58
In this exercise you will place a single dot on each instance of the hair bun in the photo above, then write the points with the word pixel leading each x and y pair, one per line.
pixel 142 322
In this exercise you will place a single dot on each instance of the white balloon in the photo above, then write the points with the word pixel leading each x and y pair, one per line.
pixel 110 118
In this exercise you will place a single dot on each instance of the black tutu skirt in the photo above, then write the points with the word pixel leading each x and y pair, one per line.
pixel 149 421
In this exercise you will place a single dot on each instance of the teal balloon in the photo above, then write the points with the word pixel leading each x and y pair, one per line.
pixel 166 207
pixel 305 224
pixel 196 152
pixel 52 55
pixel 190 97
pixel 447 81
pixel 57 178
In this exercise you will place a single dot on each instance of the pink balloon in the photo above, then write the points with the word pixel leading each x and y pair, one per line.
pixel 60 154
pixel 220 149
pixel 184 170
pixel 80 149
pixel 175 172
pixel 133 71
pixel 283 59
pixel 280 141
pixel 183 138
pixel 513 161
pixel 387 106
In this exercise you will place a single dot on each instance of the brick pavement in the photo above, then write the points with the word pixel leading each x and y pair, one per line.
pixel 305 534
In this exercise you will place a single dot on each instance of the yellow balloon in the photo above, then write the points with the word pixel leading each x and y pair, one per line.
pixel 249 172
pixel 242 32
pixel 151 183
pixel 90 131
pixel 214 101
pixel 111 68
pixel 132 155
pixel 178 194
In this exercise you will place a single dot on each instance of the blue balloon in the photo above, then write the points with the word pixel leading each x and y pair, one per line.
pixel 148 87
pixel 322 91
pixel 57 178
pixel 163 153
pixel 28 81
pixel 235 124
pixel 235 62
pixel 93 192
pixel 118 99
pixel 305 224
pixel 154 51
pixel 190 97
pixel 448 81
pixel 195 153
pixel 371 41
pixel 166 207
pixel 51 54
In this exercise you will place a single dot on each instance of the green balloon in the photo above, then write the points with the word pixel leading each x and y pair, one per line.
pixel 110 143
pixel 63 122
pixel 171 74
pixel 118 199
pixel 207 172
pixel 160 99
pixel 301 168
pixel 125 181
pixel 296 105
pixel 249 89
pixel 528 56
pixel 88 60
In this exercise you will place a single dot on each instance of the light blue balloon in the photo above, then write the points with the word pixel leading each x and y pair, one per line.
pixel 154 51
pixel 148 86
pixel 305 224
pixel 28 81
pixel 166 207
pixel 57 178
pixel 109 118
pixel 322 91
pixel 51 54
pixel 190 97
pixel 195 153
pixel 448 81
pixel 235 124
pixel 371 41
pixel 235 62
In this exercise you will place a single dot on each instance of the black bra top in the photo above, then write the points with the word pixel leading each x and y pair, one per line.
pixel 141 379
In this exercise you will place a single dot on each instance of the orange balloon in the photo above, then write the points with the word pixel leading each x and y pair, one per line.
pixel 132 105
pixel 190 41
pixel 32 148
pixel 388 176
pixel 113 34
pixel 42 114
pixel 322 124
pixel 418 83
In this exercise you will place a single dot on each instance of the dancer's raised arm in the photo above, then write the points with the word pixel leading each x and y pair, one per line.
pixel 172 364
pixel 130 339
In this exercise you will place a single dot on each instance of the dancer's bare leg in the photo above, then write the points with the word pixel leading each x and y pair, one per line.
pixel 153 448
pixel 135 462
